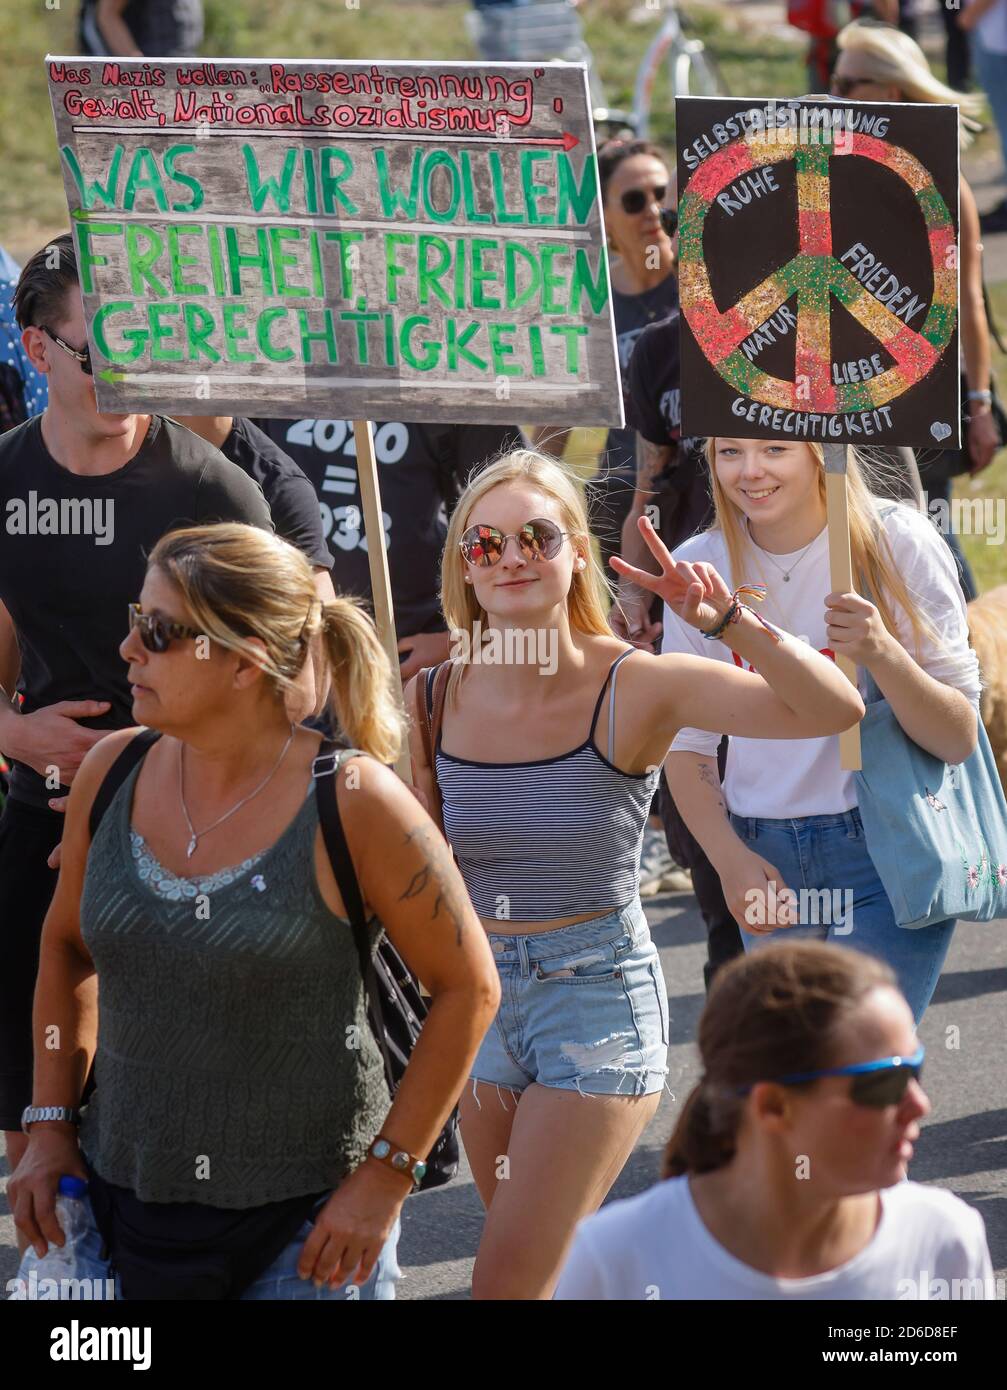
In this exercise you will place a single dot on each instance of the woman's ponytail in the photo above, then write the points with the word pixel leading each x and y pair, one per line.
pixel 363 693
pixel 705 1136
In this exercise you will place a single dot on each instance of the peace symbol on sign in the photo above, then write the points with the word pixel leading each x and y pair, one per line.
pixel 815 275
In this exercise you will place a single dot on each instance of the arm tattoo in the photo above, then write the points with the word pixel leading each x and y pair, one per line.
pixel 650 459
pixel 706 776
pixel 435 875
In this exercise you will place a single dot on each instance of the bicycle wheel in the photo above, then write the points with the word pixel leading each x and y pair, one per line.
pixel 700 74
pixel 706 80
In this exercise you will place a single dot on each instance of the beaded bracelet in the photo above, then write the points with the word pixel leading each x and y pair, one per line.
pixel 733 614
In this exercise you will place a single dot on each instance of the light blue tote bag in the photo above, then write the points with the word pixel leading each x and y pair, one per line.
pixel 936 833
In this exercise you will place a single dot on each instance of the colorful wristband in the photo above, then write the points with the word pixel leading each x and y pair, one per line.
pixel 733 614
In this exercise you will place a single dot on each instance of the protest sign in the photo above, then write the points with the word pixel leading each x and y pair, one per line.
pixel 374 240
pixel 819 283
pixel 819 271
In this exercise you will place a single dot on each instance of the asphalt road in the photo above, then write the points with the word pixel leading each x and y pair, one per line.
pixel 963 1145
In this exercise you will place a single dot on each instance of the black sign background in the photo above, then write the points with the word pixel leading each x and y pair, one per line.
pixel 752 229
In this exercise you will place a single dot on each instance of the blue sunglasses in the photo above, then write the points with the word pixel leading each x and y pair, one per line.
pixel 875 1084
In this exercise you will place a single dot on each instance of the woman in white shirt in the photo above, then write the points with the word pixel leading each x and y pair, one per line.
pixel 786 1171
pixel 787 815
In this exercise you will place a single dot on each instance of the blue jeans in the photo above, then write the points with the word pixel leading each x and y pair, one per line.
pixel 815 853
pixel 992 70
pixel 583 1008
pixel 279 1281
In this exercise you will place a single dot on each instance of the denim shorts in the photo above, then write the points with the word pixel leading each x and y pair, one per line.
pixel 845 901
pixel 279 1281
pixel 583 1008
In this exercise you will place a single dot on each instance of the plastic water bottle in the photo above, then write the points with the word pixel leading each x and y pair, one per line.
pixel 59 1262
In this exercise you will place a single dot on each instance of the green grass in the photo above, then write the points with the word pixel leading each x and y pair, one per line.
pixel 32 204
pixel 989 562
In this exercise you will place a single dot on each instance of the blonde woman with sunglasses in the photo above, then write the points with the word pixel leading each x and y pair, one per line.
pixel 547 768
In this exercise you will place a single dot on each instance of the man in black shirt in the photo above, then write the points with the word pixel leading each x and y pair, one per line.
pixel 84 498
pixel 292 501
pixel 421 471
pixel 671 475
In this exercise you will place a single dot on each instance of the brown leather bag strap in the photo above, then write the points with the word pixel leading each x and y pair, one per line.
pixel 431 687
pixel 423 714
pixel 437 690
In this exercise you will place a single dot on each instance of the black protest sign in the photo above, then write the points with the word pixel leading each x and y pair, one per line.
pixel 368 240
pixel 819 271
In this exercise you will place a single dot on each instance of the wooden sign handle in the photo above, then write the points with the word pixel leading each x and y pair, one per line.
pixel 377 559
pixel 841 576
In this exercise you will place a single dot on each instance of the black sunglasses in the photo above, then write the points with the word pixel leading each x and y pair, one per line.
pixel 156 633
pixel 873 1084
pixel 82 356
pixel 634 200
pixel 539 539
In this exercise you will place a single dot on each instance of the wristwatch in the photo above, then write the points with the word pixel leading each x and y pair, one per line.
pixel 33 1113
pixel 398 1159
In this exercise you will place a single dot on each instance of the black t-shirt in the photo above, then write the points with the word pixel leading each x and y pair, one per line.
pixel 74 554
pixel 655 410
pixel 421 472
pixel 633 313
pixel 293 502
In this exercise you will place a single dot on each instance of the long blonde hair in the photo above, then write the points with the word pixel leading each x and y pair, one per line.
pixel 869 549
pixel 239 582
pixel 893 57
pixel 589 587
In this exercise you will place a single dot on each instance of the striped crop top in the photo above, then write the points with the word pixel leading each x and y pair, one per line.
pixel 556 837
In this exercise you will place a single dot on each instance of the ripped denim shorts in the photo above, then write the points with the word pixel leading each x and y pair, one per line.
pixel 583 1008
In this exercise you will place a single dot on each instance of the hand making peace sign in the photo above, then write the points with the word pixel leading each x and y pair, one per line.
pixel 695 592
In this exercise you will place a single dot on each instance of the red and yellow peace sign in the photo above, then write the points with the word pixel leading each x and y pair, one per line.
pixel 815 275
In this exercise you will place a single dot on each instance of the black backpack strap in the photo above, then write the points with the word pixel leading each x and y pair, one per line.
pixel 325 770
pixel 136 749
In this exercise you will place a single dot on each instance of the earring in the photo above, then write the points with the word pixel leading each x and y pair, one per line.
pixel 468 579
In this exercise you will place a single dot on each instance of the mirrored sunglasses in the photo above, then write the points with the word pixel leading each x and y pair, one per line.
pixel 539 539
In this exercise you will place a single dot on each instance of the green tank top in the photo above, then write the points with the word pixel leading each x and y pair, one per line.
pixel 235 1064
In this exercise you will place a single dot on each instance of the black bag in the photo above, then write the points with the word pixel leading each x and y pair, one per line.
pixel 395 1007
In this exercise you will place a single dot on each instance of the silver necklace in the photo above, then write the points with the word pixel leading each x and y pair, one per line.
pixel 196 837
pixel 786 573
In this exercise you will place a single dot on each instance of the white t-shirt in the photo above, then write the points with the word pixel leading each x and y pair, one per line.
pixel 782 778
pixel 655 1247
